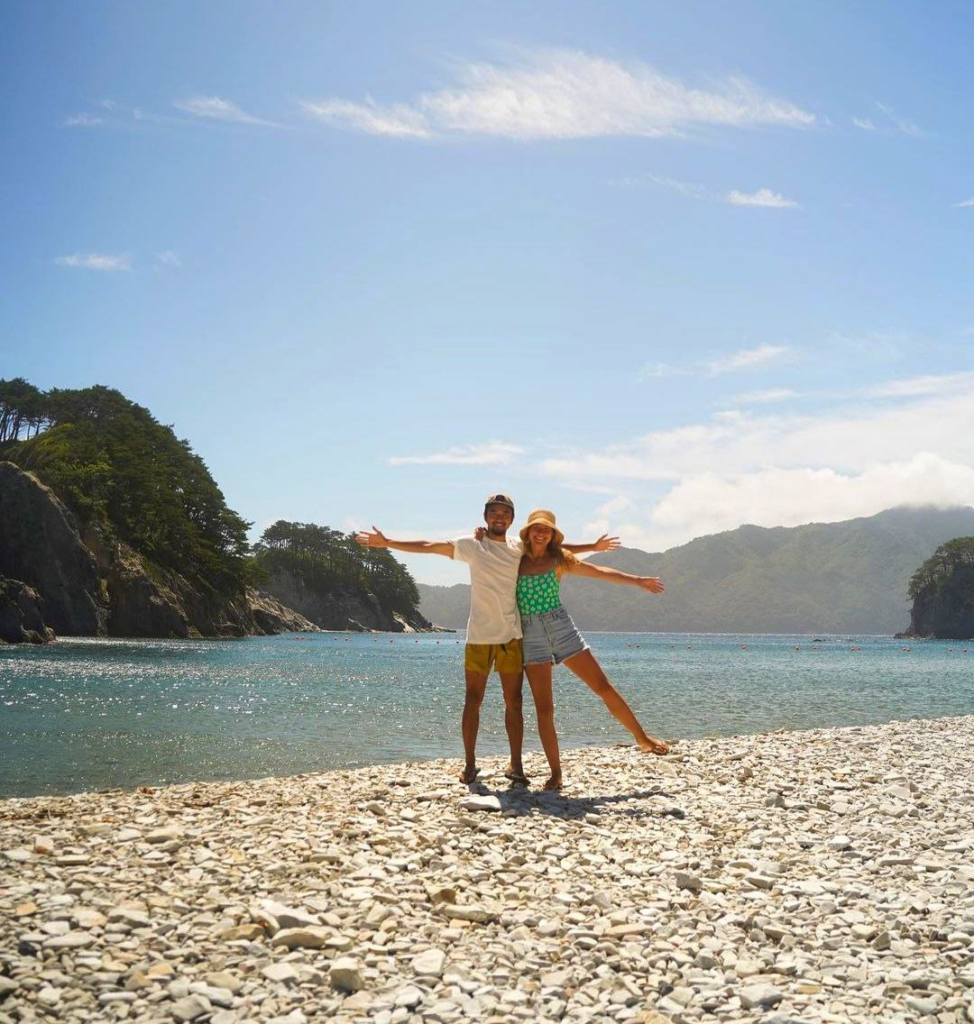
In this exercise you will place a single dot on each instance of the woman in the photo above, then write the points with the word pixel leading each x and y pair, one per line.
pixel 550 636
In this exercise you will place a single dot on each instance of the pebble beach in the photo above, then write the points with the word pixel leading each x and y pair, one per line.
pixel 825 875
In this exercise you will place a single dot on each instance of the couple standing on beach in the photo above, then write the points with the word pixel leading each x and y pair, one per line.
pixel 518 624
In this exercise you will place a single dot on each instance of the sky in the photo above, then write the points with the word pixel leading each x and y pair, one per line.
pixel 662 268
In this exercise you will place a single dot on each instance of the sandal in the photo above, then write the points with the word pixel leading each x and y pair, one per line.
pixel 469 775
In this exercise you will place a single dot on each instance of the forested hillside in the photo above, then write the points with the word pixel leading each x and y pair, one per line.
pixel 127 476
pixel 849 577
pixel 334 581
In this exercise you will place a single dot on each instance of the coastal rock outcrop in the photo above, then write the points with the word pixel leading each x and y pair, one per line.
pixel 79 583
pixel 40 545
pixel 21 614
pixel 945 611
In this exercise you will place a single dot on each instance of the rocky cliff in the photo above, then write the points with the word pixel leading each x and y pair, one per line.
pixel 40 545
pixel 90 586
pixel 945 611
pixel 342 610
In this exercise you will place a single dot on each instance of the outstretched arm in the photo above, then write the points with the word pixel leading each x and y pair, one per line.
pixel 607 575
pixel 604 543
pixel 377 539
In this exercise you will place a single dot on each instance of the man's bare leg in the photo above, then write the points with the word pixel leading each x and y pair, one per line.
pixel 590 672
pixel 470 723
pixel 513 686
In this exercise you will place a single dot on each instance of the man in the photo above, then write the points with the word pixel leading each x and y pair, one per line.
pixel 494 627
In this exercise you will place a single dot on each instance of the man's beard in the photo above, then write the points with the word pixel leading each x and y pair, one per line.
pixel 497 531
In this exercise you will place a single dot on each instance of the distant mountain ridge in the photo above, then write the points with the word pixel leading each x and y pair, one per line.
pixel 849 577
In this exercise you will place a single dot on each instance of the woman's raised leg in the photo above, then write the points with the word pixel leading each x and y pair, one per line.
pixel 539 679
pixel 590 672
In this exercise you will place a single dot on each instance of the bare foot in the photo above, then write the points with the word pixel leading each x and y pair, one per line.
pixel 554 782
pixel 654 746
pixel 469 774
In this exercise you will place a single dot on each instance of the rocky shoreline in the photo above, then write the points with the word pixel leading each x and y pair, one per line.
pixel 799 876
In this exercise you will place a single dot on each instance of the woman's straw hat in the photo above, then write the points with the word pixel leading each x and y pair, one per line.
pixel 546 518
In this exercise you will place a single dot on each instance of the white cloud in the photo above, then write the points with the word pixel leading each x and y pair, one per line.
pixel 169 258
pixel 492 453
pixel 708 503
pixel 748 359
pixel 216 109
pixel 564 94
pixel 606 515
pixel 95 261
pixel 765 397
pixel 763 197
pixel 865 124
pixel 966 202
pixel 782 470
pixel 82 121
pixel 108 104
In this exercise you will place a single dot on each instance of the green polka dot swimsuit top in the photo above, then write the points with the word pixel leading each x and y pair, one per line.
pixel 538 594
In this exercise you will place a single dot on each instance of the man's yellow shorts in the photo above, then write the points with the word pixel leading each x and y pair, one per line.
pixel 481 658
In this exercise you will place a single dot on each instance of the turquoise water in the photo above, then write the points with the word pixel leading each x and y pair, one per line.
pixel 93 714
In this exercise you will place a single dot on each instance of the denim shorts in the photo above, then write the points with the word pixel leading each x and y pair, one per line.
pixel 550 637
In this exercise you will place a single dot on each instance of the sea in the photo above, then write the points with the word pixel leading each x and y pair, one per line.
pixel 93 714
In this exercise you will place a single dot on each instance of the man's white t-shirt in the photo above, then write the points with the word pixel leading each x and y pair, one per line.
pixel 494 617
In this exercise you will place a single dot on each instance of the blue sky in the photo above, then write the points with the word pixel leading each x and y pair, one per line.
pixel 664 268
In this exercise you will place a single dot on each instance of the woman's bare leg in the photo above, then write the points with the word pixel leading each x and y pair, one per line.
pixel 590 672
pixel 539 679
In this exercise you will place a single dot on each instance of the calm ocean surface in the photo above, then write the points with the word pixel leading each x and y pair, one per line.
pixel 93 714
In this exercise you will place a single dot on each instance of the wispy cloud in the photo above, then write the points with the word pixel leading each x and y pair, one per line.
pixel 763 197
pixel 95 261
pixel 82 121
pixel 169 258
pixel 564 94
pixel 766 397
pixel 748 359
pixel 216 109
pixel 653 371
pixel 887 122
pixel 684 188
pixel 397 120
pixel 743 359
pixel 966 202
pixel 931 384
pixel 491 453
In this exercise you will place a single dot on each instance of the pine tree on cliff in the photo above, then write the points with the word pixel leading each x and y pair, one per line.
pixel 118 469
